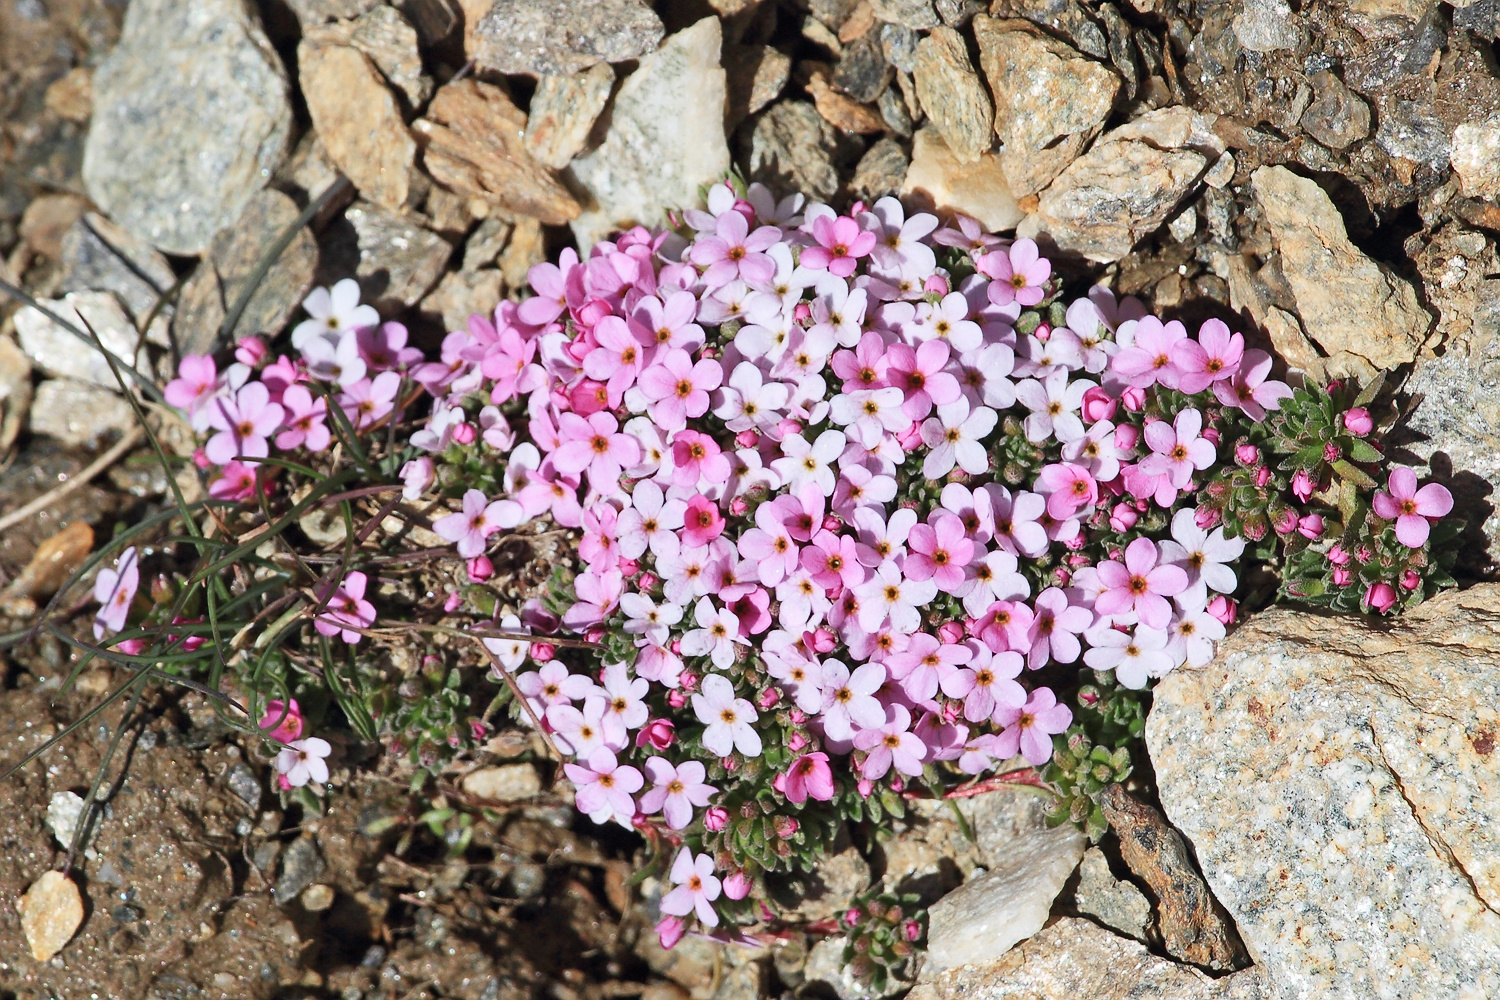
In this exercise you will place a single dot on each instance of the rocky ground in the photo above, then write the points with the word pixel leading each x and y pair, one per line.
pixel 1329 176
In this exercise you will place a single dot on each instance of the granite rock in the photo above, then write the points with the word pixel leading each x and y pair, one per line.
pixel 985 917
pixel 930 852
pixel 475 145
pixel 399 261
pixel 1050 101
pixel 1074 959
pixel 390 41
pixel 51 911
pixel 792 148
pixel 862 71
pixel 358 120
pixel 483 247
pixel 1338 784
pixel 563 111
pixel 461 294
pixel 47 220
pixel 952 95
pixel 1346 301
pixel 881 171
pixel 915 14
pixel 506 782
pixel 236 254
pixel 756 76
pixel 659 150
pixel 200 311
pixel 1475 157
pixel 1337 117
pixel 100 256
pixel 552 37
pixel 315 12
pixel 840 110
pixel 191 118
pixel 1115 903
pixel 1266 26
pixel 937 180
pixel 79 414
pixel 58 352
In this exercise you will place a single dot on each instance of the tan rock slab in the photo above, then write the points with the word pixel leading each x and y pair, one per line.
pixel 358 120
pixel 563 111
pixel 952 95
pixel 939 181
pixel 51 912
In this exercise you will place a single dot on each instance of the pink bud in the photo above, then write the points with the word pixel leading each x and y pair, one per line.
pixel 1311 527
pixel 1357 421
pixel 832 523
pixel 1331 453
pixel 737 885
pixel 687 680
pixel 1286 522
pixel 1061 576
pixel 480 569
pixel 1342 576
pixel 1381 597
pixel 1363 554
pixel 951 632
pixel 786 827
pixel 250 351
pixel 747 438
pixel 1262 475
pixel 1246 455
pixel 1410 580
pixel 1123 517
pixel 648 581
pixel 465 433
pixel 716 819
pixel 676 647
pixel 796 742
pixel 739 506
pixel 1089 697
pixel 1337 555
pixel 897 785
pixel 452 603
pixel 820 641
pixel 1211 434
pixel 133 647
pixel 677 699
pixel 1127 437
pixel 1302 485
pixel 864 786
pixel 729 763
pixel 478 729
pixel 1075 543
pixel 801 313
pixel 200 459
pixel 1042 333
pixel 798 716
pixel 936 284
pixel 1133 399
pixel 629 568
pixel 788 426
pixel 595 634
pixel 543 652
pixel 911 438
pixel 283 783
pixel 1224 609
pixel 769 697
pixel 670 931
pixel 659 733
pixel 1098 405
pixel 1205 517
pixel 1077 560
pixel 911 930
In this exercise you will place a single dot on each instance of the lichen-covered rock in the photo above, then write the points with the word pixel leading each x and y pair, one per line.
pixel 952 95
pixel 1113 902
pixel 237 253
pixel 1476 159
pixel 792 148
pixel 191 118
pixel 1341 788
pixel 546 37
pixel 563 110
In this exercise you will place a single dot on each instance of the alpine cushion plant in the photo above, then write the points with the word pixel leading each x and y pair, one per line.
pixel 867 510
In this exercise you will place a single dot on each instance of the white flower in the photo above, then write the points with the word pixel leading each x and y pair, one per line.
pixel 982 375
pixel 809 463
pixel 624 705
pixel 651 521
pixel 646 618
pixel 882 541
pixel 1192 635
pixel 889 594
pixel 1135 658
pixel 335 361
pixel 837 311
pixel 749 401
pixel 716 635
pixel 333 312
pixel 870 414
pixel 1096 451
pixel 803 603
pixel 303 761
pixel 1054 405
pixel 510 652
pixel 990 579
pixel 1205 556
pixel 954 436
pixel 730 720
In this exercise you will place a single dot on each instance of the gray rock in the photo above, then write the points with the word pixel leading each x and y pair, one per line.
pixel 462 294
pixel 485 243
pixel 1115 903
pixel 1266 26
pixel 825 965
pixel 301 865
pixel 793 149
pixel 99 255
pixel 58 352
pixel 313 12
pixel 559 37
pixel 201 311
pixel 756 76
pixel 825 892
pixel 399 261
pixel 1077 960
pixel 915 14
pixel 79 414
pixel 930 853
pixel 881 170
pixel 957 13
pixel 1346 301
pixel 237 252
pixel 937 180
pixel 952 95
pixel 985 917
pixel 1411 130
pixel 174 161
pixel 563 111
pixel 1339 792
pixel 899 45
pixel 243 783
pixel 659 150
pixel 1337 117
pixel 1050 101
pixel 862 71
pixel 894 112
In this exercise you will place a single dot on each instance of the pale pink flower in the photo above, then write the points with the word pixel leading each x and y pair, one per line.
pixel 677 389
pixel 735 252
pixel 115 589
pixel 919 373
pixel 553 685
pixel 1054 403
pixel 1140 584
pixel 1192 636
pixel 1054 630
pixel 880 540
pixel 1249 389
pixel 1177 449
pixel 605 788
pixel 1018 275
pixel 891 744
pixel 1412 509
pixel 304 761
pixel 469 528
pixel 939 551
pixel 368 401
pixel 922 666
pixel 987 685
pixel 840 245
pixel 696 887
pixel 196 382
pixel 849 698
pixel 730 720
pixel 1135 657
pixel 1069 489
pixel 716 635
pixel 619 358
pixel 889 594
pixel 652 521
pixel 865 366
pixel 1216 355
pixel 302 424
pixel 956 437
pixel 1017 521
pixel 595 445
pixel 1029 728
pixel 991 578
pixel 667 322
pixel 676 790
pixel 243 421
pixel 347 610
pixel 624 708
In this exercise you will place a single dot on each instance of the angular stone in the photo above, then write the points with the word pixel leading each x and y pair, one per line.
pixel 314 12
pixel 756 76
pixel 475 145
pixel 660 149
pixel 51 911
pixel 358 120
pixel 462 294
pixel 915 14
pixel 985 917
pixel 862 71
pixel 937 180
pixel 505 783
pixel 840 110
pixel 825 892
pixel 1050 101
pixel 171 162
pixel 1476 159
pixel 952 95
pixel 201 311
pixel 1266 26
pixel 881 170
pixel 559 37
pixel 391 43
pixel 58 352
pixel 1347 302
pixel 64 808
pixel 56 559
pixel 71 96
pixel 98 255
pixel 47 219
pixel 237 252
pixel 1076 960
pixel 484 244
pixel 79 414
pixel 1115 903
pixel 1338 786
pixel 899 45
pixel 792 148
pixel 399 261
pixel 1337 117
pixel 563 111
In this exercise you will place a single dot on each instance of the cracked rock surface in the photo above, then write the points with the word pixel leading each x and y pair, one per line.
pixel 1341 788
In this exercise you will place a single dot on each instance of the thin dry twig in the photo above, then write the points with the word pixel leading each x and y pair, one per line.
pixel 130 440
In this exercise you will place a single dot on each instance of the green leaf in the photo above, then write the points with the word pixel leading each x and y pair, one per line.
pixel 1363 451
pixel 1354 474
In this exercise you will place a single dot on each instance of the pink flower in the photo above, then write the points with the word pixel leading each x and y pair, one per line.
pixel 1149 360
pixel 243 422
pixel 1381 597
pixel 919 373
pixel 619 357
pixel 1140 585
pixel 939 552
pixel 738 885
pixel 1069 488
pixel 196 380
pixel 1054 630
pixel 1214 356
pixel 840 245
pixel 987 686
pixel 1302 485
pixel 594 444
pixel 702 522
pixel 236 482
pixel 833 560
pixel 809 777
pixel 1224 609
pixel 1019 274
pixel 1249 390
pixel 1310 527
pixel 1030 727
pixel 303 418
pixel 696 888
pixel 1098 405
pixel 922 666
pixel 1412 509
pixel 668 321
pixel 115 589
pixel 282 720
pixel 658 734
pixel 669 931
pixel 735 252
pixel 1357 421
pixel 677 389
pixel 891 745
pixel 1177 451
pixel 715 819
pixel 347 610
pixel 416 476
pixel 304 761
pixel 1410 580
pixel 605 788
pixel 369 401
pixel 697 456
pixel 865 366
pixel 470 528
pixel 675 790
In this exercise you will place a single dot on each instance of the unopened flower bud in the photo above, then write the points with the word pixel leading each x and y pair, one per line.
pixel 738 506
pixel 1224 609
pixel 864 787
pixel 1262 475
pixel 747 438
pixel 1042 333
pixel 796 742
pixel 936 284
pixel 1410 580
pixel 1098 405
pixel 1127 436
pixel 465 433
pixel 1205 517
pixel 716 819
pixel 1357 421
pixel 1246 455
pixel 1342 576
pixel 786 827
pixel 737 885
pixel 595 634
pixel 250 350
pixel 677 699
pixel 669 931
pixel 1285 521
pixel 479 569
pixel 801 313
pixel 1133 399
pixel 1123 517
pixel 912 931
pixel 1311 527
pixel 1211 435
pixel 1331 453
pixel 1381 597
pixel 1302 485
pixel 951 632
pixel 769 697
pixel 455 599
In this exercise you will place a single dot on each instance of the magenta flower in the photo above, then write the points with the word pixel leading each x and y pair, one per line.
pixel 697 456
pixel 508 363
pixel 236 482
pixel 1412 509
pixel 1357 421
pixel 605 788
pixel 676 790
pixel 1216 355
pixel 891 744
pixel 243 422
pixel 384 347
pixel 619 358
pixel 919 373
pixel 1054 630
pixel 347 610
pixel 1381 597
pixel 832 560
pixel 1030 727
pixel 594 444
pixel 282 720
pixel 735 252
pixel 696 888
pixel 1069 488
pixel 1177 450
pixel 472 526
pixel 677 389
pixel 840 245
pixel 1149 360
pixel 939 551
pixel 1018 275
pixel 1140 585
pixel 809 777
pixel 1249 390
pixel 303 420
pixel 114 589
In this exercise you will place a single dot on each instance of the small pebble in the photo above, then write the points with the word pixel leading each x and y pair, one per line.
pixel 317 898
pixel 51 911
